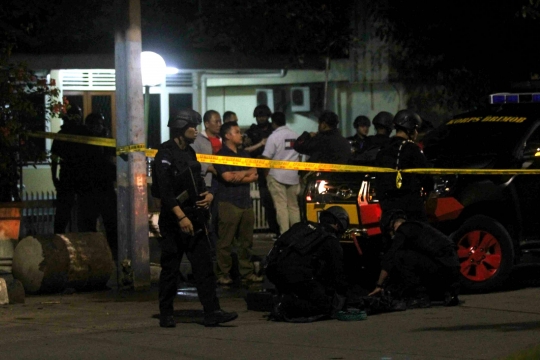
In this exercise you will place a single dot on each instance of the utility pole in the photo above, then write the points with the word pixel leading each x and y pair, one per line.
pixel 133 251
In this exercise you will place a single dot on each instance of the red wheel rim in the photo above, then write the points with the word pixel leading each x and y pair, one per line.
pixel 479 254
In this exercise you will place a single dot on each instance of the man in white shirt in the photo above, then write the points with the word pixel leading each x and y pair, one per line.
pixel 283 184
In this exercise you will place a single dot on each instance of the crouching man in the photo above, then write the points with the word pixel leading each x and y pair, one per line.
pixel 420 262
pixel 306 266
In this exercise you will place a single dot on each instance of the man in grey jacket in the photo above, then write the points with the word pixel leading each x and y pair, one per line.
pixel 208 142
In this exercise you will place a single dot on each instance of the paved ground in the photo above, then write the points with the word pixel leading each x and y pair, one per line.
pixel 123 325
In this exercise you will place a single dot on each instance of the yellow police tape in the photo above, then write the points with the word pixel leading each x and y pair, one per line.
pixel 90 140
pixel 285 165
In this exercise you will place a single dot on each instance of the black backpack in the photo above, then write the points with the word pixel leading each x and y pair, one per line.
pixel 291 258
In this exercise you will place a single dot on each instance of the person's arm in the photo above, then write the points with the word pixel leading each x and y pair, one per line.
pixel 233 177
pixel 54 171
pixel 337 267
pixel 379 287
pixel 306 143
pixel 240 177
pixel 251 176
pixel 389 260
pixel 210 169
pixel 205 203
pixel 164 160
pixel 419 161
pixel 257 146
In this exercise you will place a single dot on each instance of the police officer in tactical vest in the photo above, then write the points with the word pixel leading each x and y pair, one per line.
pixel 383 123
pixel 306 266
pixel 400 153
pixel 420 263
pixel 177 181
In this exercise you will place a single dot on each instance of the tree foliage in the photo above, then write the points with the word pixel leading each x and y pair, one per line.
pixel 452 54
pixel 61 25
pixel 297 28
pixel 26 102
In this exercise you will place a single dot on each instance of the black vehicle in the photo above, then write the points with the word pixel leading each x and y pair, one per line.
pixel 492 218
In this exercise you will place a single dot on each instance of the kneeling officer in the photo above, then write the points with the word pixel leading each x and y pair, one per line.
pixel 421 261
pixel 306 266
pixel 184 201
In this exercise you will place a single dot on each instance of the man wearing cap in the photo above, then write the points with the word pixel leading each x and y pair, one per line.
pixel 178 183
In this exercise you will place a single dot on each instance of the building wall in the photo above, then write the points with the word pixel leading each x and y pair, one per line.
pixel 242 100
pixel 238 94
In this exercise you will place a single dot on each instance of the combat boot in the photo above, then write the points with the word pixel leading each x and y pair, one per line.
pixel 167 321
pixel 451 299
pixel 218 317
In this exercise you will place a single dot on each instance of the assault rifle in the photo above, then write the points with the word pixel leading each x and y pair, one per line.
pixel 187 200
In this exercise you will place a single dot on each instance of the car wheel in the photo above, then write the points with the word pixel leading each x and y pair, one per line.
pixel 485 251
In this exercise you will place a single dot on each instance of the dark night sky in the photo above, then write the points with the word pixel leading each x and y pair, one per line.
pixel 480 35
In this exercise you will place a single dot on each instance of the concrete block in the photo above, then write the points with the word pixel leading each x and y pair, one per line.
pixel 16 292
pixel 4 299
pixel 11 290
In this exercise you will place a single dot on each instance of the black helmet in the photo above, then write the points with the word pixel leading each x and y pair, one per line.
pixel 339 214
pixel 95 122
pixel 407 120
pixel 262 110
pixel 384 119
pixel 95 119
pixel 361 121
pixel 389 217
pixel 184 118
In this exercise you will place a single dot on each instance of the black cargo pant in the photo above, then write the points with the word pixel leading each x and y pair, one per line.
pixel 100 200
pixel 414 272
pixel 174 244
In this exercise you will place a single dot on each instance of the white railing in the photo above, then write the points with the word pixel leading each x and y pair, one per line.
pixel 39 211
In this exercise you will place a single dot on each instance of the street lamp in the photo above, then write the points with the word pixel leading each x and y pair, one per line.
pixel 153 70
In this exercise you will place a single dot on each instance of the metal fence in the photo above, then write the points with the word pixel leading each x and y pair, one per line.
pixel 37 215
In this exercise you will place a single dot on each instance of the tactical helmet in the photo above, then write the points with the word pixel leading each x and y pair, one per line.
pixel 361 121
pixel 95 119
pixel 261 111
pixel 389 217
pixel 339 214
pixel 184 118
pixel 407 120
pixel 384 119
pixel 95 122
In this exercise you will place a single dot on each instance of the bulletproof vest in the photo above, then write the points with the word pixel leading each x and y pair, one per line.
pixel 430 242
pixel 292 257
pixel 393 156
pixel 183 179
